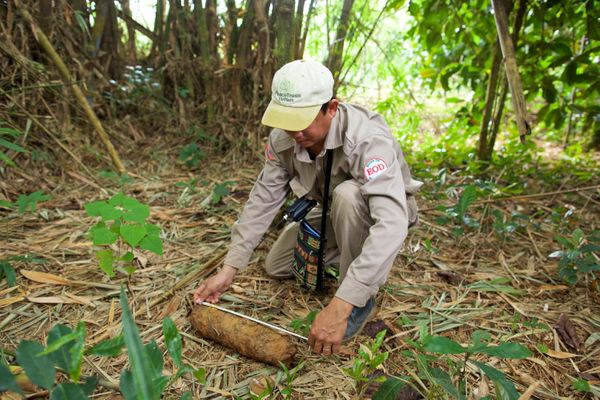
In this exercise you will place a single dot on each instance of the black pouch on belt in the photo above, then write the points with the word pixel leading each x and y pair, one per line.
pixel 309 252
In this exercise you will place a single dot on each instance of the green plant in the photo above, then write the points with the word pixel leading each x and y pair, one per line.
pixel 26 201
pixel 120 179
pixel 191 154
pixel 370 357
pixel 430 353
pixel 302 325
pixel 65 351
pixel 578 256
pixel 7 270
pixel 128 226
pixel 189 185
pixel 457 214
pixel 289 376
pixel 40 364
pixel 144 380
pixel 220 190
pixel 9 145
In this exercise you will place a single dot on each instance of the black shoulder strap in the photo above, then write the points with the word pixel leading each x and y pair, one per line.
pixel 323 241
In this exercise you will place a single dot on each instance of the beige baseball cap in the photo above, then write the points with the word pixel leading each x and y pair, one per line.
pixel 298 91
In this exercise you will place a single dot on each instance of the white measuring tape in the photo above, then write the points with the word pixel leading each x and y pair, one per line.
pixel 258 321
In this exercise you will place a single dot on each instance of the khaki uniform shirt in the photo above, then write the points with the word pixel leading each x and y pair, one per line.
pixel 364 150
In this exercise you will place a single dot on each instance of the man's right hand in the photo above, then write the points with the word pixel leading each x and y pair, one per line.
pixel 212 288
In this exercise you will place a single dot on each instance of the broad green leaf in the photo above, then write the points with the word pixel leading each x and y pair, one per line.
pixel 187 395
pixel 7 270
pixel 30 201
pixel 172 340
pixel 442 345
pixel 152 243
pixel 106 261
pixel 137 214
pixel 389 389
pixel 468 196
pixel 68 391
pixel 582 385
pixel 155 357
pixel 59 342
pixel 479 340
pixel 7 380
pixel 142 374
pixel 507 350
pixel 505 389
pixel 76 351
pixel 117 200
pixel 200 375
pixel 39 369
pixel 445 381
pixel 127 257
pixel 133 233
pixel 5 203
pixel 127 386
pixel 61 355
pixel 101 235
pixel 102 209
pixel 110 347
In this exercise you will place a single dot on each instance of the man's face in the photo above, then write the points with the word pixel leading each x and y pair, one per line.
pixel 313 137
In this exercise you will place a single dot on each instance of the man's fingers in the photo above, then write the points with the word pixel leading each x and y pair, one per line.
pixel 335 348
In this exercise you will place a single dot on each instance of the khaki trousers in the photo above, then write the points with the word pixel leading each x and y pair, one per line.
pixel 347 228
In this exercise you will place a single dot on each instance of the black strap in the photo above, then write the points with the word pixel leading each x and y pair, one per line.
pixel 323 241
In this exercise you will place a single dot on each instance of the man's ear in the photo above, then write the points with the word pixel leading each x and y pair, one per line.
pixel 333 107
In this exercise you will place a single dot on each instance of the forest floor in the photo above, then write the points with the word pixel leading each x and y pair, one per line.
pixel 452 285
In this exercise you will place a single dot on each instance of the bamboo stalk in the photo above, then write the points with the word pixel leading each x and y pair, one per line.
pixel 512 71
pixel 64 72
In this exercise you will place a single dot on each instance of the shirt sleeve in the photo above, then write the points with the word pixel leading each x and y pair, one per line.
pixel 266 198
pixel 377 164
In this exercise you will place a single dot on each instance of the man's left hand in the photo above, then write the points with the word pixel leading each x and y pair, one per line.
pixel 329 326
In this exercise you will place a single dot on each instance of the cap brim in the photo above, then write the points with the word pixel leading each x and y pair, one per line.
pixel 289 118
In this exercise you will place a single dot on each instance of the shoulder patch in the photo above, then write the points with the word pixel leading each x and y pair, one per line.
pixel 269 153
pixel 374 167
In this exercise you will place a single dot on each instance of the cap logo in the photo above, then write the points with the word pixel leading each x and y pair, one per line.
pixel 286 92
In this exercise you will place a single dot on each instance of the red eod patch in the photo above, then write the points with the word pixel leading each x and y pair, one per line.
pixel 374 167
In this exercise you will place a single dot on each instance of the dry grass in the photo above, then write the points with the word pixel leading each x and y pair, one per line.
pixel 441 286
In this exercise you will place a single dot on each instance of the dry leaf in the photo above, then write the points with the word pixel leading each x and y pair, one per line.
pixel 567 332
pixel 545 288
pixel 10 300
pixel 56 300
pixel 43 277
pixel 560 354
pixel 171 307
pixel 530 391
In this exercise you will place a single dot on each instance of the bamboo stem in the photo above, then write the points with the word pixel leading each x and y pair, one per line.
pixel 512 71
pixel 64 72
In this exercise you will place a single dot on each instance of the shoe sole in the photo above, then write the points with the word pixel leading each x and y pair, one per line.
pixel 361 327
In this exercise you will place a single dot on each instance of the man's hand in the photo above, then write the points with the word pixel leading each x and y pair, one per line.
pixel 328 328
pixel 212 288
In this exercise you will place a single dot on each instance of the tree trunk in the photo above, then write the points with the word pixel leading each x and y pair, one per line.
pixel 297 32
pixel 203 35
pixel 483 152
pixel 106 38
pixel 131 50
pixel 511 68
pixel 232 30
pixel 334 59
pixel 488 134
pixel 284 20
pixel 158 43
